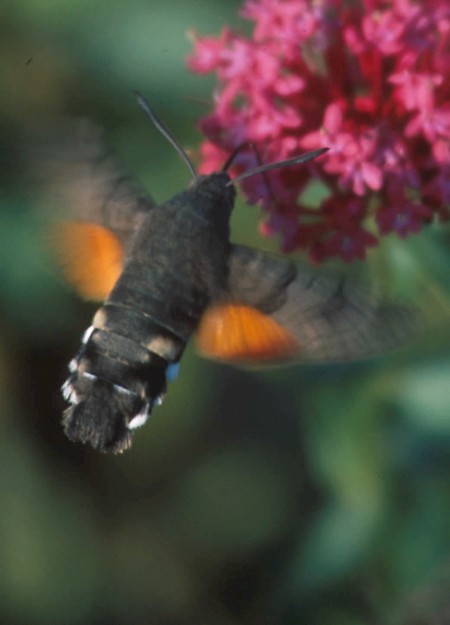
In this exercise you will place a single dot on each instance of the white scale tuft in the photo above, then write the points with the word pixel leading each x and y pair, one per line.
pixel 69 392
pixel 140 419
pixel 159 400
pixel 122 390
pixel 87 335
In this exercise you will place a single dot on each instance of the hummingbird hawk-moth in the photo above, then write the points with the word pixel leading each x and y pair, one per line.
pixel 167 271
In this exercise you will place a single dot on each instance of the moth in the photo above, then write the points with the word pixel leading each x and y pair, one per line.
pixel 167 271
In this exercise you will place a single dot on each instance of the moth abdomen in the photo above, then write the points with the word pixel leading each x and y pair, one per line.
pixel 176 315
pixel 141 328
pixel 100 413
pixel 116 380
pixel 137 339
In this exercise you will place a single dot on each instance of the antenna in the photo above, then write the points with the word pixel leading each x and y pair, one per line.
pixel 295 160
pixel 160 125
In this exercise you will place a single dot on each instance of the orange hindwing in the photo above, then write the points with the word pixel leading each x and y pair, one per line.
pixel 91 257
pixel 242 334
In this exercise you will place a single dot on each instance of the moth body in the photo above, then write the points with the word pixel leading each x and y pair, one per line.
pixel 166 271
pixel 177 264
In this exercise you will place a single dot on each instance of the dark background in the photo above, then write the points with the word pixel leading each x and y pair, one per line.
pixel 314 495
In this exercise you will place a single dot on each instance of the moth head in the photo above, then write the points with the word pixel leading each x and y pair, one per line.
pixel 214 195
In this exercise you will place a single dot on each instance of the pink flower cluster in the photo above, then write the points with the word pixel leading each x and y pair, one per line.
pixel 370 79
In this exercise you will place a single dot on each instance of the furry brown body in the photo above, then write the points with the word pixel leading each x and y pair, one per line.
pixel 177 265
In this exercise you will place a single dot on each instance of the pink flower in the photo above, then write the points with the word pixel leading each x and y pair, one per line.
pixel 368 79
pixel 404 219
pixel 348 245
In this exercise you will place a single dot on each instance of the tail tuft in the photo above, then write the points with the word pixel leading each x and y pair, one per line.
pixel 102 416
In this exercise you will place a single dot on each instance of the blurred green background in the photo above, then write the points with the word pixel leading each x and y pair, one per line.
pixel 316 495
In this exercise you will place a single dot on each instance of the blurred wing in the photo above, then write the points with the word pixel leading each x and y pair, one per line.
pixel 322 317
pixel 242 334
pixel 99 208
pixel 91 257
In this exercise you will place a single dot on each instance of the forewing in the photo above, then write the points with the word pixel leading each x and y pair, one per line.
pixel 96 207
pixel 85 182
pixel 327 316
